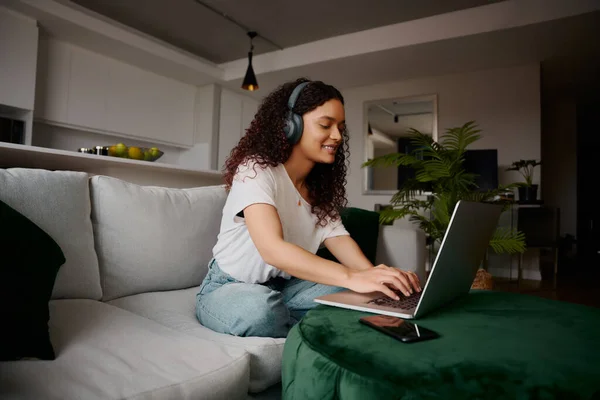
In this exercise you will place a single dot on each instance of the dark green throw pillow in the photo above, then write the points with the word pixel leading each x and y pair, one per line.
pixel 30 260
pixel 363 227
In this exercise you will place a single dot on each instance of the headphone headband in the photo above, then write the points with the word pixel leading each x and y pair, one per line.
pixel 295 94
pixel 293 123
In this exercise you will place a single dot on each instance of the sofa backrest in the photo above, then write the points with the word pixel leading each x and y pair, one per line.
pixel 59 203
pixel 153 238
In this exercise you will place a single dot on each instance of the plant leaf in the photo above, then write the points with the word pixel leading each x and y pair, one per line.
pixel 392 159
pixel 508 241
pixel 459 138
pixel 390 214
pixel 410 189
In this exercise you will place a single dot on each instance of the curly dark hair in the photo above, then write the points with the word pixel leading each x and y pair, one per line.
pixel 265 144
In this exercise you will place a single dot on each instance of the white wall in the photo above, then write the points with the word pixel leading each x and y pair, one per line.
pixel 504 102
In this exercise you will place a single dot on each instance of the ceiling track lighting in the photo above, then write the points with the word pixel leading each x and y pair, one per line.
pixel 249 82
pixel 233 21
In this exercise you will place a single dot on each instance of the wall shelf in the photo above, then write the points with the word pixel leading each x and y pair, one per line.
pixel 106 132
pixel 140 172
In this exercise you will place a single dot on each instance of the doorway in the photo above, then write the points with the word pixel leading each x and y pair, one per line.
pixel 588 208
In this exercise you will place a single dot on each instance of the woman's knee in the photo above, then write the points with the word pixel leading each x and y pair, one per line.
pixel 265 315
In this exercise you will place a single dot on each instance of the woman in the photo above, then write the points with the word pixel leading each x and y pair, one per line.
pixel 286 186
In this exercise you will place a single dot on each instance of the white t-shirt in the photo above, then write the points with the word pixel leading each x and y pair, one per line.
pixel 235 251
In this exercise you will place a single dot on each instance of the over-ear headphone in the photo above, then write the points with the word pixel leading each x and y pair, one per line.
pixel 293 124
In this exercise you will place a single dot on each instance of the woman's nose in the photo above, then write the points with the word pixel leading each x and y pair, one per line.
pixel 336 134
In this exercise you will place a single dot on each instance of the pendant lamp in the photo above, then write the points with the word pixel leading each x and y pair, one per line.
pixel 250 82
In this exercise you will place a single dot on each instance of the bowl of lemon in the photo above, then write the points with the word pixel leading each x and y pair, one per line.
pixel 135 152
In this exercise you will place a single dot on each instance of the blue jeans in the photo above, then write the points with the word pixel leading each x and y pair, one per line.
pixel 226 305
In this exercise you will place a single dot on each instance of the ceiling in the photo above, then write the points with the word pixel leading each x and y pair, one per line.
pixel 560 37
pixel 189 25
pixel 566 38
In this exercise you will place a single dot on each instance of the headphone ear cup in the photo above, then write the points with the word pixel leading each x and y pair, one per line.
pixel 288 128
pixel 293 128
pixel 298 127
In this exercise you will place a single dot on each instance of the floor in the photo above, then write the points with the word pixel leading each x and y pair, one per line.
pixel 272 393
pixel 581 287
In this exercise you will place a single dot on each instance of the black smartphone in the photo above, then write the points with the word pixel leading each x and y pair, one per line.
pixel 399 328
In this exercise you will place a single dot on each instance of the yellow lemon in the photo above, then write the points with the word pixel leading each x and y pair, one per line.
pixel 136 153
pixel 112 151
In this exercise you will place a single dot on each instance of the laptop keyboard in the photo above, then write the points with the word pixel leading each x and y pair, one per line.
pixel 404 302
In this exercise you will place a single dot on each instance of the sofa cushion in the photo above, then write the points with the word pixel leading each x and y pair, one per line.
pixel 153 238
pixel 59 203
pixel 30 262
pixel 176 309
pixel 104 352
pixel 363 227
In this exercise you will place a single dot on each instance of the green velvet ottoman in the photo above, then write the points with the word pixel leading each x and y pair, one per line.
pixel 493 346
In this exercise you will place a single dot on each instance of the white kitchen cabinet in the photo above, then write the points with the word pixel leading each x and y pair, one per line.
pixel 148 105
pixel 87 90
pixel 128 108
pixel 179 102
pixel 71 86
pixel 84 90
pixel 52 87
pixel 237 111
pixel 18 56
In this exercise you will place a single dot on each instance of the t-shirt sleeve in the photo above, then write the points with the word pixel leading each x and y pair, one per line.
pixel 252 184
pixel 335 228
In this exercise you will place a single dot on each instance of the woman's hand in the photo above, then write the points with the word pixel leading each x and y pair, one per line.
pixel 381 278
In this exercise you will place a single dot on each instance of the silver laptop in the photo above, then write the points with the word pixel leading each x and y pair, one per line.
pixel 460 254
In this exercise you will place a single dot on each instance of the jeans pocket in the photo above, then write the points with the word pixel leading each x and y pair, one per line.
pixel 208 278
pixel 203 287
pixel 214 279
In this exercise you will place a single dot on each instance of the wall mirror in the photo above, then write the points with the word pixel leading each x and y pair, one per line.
pixel 386 128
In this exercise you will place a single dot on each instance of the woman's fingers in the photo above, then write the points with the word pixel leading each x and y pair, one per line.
pixel 391 279
pixel 388 292
pixel 414 280
pixel 402 285
pixel 399 281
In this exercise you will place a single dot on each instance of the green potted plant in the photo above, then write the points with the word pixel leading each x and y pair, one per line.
pixel 527 190
pixel 439 165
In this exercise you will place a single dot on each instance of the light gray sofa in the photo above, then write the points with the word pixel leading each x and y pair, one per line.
pixel 122 314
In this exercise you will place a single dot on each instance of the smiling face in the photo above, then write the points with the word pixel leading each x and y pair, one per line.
pixel 323 130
